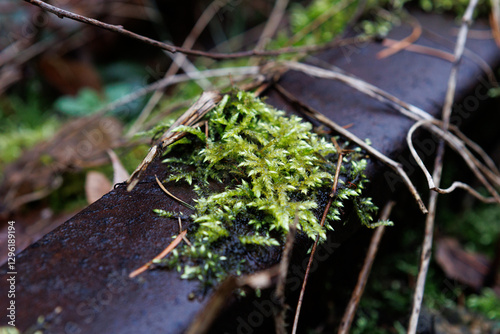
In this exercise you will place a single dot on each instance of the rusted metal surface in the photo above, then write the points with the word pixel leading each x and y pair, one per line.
pixel 77 276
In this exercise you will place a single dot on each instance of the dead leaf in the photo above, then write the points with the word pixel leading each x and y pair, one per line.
pixel 96 185
pixel 69 76
pixel 466 267
pixel 120 174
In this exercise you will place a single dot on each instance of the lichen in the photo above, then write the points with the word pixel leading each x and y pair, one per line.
pixel 273 167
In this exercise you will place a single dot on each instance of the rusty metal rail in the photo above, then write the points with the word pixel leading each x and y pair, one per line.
pixel 76 277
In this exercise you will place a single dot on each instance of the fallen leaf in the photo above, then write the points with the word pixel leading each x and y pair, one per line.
pixel 96 185
pixel 120 174
pixel 466 267
pixel 69 76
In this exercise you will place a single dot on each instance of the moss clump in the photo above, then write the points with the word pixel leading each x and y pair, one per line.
pixel 274 168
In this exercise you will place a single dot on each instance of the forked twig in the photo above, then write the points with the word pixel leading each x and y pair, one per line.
pixel 350 310
pixel 438 168
pixel 411 112
pixel 163 83
pixel 432 185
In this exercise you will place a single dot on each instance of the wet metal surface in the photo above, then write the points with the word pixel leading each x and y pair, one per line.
pixel 77 276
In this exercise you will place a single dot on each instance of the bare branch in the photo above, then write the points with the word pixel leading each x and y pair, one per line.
pixel 173 49
pixel 438 168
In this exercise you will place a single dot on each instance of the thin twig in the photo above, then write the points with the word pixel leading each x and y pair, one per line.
pixel 405 42
pixel 163 83
pixel 272 24
pixel 474 57
pixel 432 185
pixel 61 13
pixel 186 240
pixel 204 104
pixel 189 206
pixel 164 253
pixel 495 20
pixel 438 168
pixel 311 256
pixel 406 109
pixel 425 50
pixel 350 310
pixel 279 318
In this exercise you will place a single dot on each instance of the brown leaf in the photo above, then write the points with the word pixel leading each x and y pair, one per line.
pixel 120 174
pixel 466 267
pixel 69 76
pixel 96 185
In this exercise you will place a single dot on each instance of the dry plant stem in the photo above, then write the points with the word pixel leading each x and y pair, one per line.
pixel 179 59
pixel 164 253
pixel 495 20
pixel 459 50
pixel 350 310
pixel 204 104
pixel 397 167
pixel 279 318
pixel 315 245
pixel 479 150
pixel 405 42
pixel 425 256
pixel 422 50
pixel 438 168
pixel 171 195
pixel 173 49
pixel 406 109
pixel 272 24
pixel 466 156
pixel 474 57
pixel 163 83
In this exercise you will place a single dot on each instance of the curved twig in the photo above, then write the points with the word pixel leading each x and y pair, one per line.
pixel 405 42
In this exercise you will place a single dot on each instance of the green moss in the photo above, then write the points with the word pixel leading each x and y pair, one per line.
pixel 274 168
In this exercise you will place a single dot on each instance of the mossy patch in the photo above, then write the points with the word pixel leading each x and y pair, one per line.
pixel 273 168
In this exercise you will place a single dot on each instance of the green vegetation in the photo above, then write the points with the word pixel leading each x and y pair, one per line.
pixel 487 303
pixel 389 291
pixel 24 121
pixel 275 168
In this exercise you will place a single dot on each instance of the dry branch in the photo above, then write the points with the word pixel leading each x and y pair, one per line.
pixel 438 167
pixel 61 13
pixel 205 103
